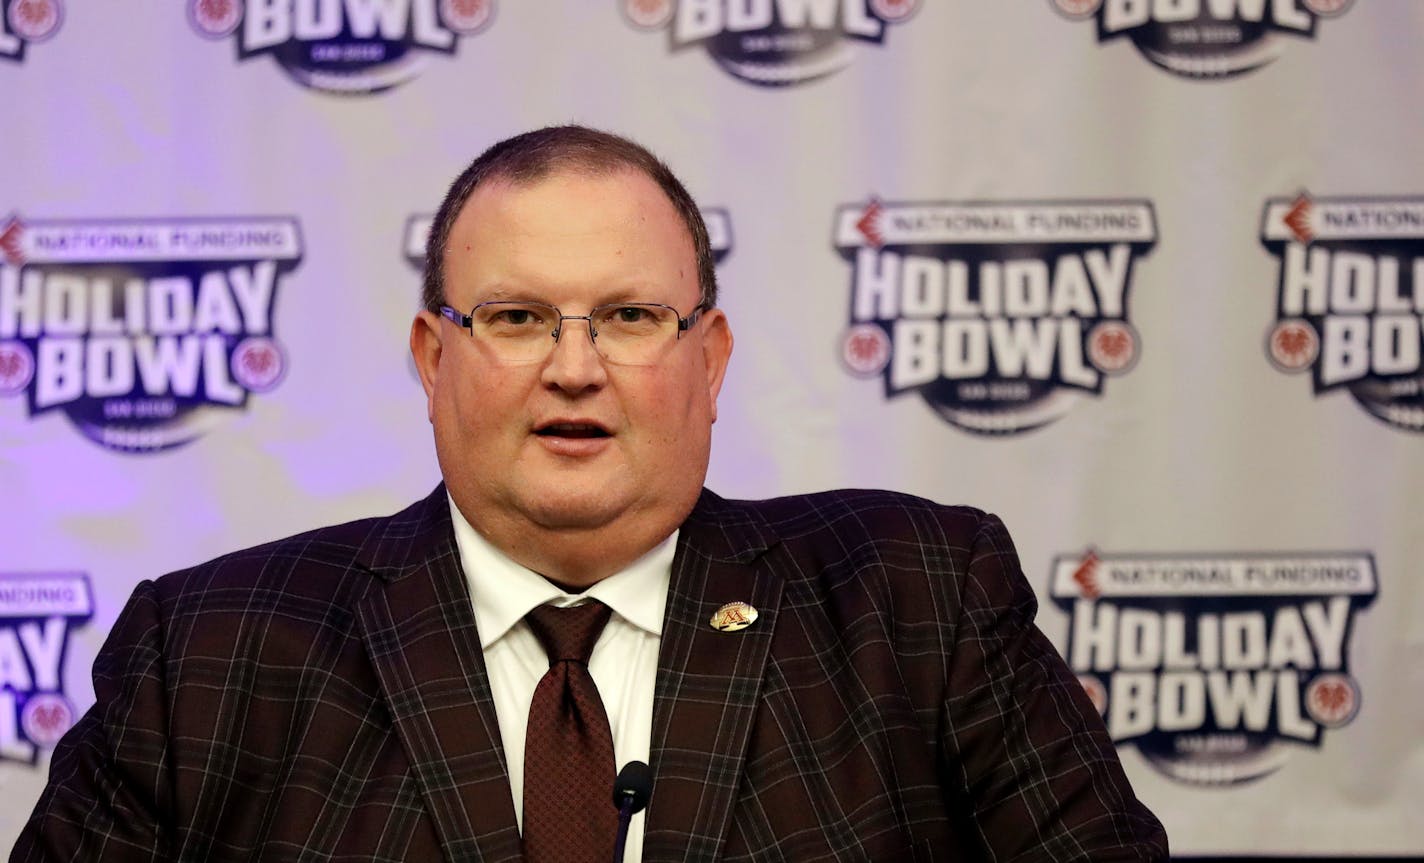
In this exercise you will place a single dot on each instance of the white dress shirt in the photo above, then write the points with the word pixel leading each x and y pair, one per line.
pixel 624 663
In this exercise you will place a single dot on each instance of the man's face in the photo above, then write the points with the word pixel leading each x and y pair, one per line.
pixel 571 443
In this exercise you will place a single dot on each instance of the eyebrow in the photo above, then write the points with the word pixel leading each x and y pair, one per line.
pixel 642 293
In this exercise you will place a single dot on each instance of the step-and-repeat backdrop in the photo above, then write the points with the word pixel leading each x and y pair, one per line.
pixel 1145 277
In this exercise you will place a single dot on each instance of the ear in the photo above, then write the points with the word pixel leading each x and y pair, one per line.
pixel 425 349
pixel 716 351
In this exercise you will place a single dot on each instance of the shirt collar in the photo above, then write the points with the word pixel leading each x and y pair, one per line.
pixel 504 592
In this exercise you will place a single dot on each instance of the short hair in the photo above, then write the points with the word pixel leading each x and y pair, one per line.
pixel 532 156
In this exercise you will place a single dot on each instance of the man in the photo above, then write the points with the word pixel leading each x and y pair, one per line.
pixel 846 676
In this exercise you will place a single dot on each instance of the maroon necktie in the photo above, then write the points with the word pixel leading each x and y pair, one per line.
pixel 568 749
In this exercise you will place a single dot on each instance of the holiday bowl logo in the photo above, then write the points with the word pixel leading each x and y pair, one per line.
pixel 142 332
pixel 1212 666
pixel 1204 39
pixel 1350 299
pixel 772 43
pixel 23 22
pixel 37 613
pixel 1000 315
pixel 343 46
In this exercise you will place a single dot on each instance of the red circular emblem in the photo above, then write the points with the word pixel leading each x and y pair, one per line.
pixel 1112 347
pixel 1293 345
pixel 467 16
pixel 1097 693
pixel 17 368
pixel 1332 699
pixel 34 20
pixel 894 11
pixel 258 364
pixel 1078 8
pixel 866 350
pixel 47 715
pixel 648 14
pixel 215 19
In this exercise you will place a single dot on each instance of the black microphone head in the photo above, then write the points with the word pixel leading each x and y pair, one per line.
pixel 635 784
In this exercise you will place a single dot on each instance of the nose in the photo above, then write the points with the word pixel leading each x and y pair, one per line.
pixel 574 364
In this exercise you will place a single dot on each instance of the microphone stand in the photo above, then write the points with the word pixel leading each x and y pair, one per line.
pixel 625 816
pixel 631 791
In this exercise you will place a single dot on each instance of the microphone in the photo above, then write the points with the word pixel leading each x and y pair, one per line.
pixel 631 791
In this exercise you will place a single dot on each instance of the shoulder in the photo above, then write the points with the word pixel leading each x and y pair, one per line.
pixel 880 544
pixel 310 579
pixel 320 555
pixel 853 516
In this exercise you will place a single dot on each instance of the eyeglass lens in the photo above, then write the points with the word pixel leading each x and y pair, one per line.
pixel 623 333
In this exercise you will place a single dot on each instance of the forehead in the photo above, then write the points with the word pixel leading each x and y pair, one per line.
pixel 569 230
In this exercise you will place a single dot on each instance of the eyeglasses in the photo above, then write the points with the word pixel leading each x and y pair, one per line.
pixel 625 334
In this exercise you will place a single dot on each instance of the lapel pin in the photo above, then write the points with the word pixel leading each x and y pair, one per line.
pixel 733 616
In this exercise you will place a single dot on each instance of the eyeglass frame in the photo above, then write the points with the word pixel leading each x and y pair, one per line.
pixel 467 321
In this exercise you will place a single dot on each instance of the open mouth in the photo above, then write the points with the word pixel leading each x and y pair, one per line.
pixel 572 430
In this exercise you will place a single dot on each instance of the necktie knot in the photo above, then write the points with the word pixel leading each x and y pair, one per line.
pixel 569 633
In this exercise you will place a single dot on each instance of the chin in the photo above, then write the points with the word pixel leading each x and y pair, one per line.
pixel 564 511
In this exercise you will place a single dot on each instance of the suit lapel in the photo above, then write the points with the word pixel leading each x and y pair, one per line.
pixel 708 682
pixel 419 629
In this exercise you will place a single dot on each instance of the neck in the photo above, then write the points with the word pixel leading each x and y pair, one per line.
pixel 574 559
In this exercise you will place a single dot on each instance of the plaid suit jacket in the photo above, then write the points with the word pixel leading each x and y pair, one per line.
pixel 324 697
